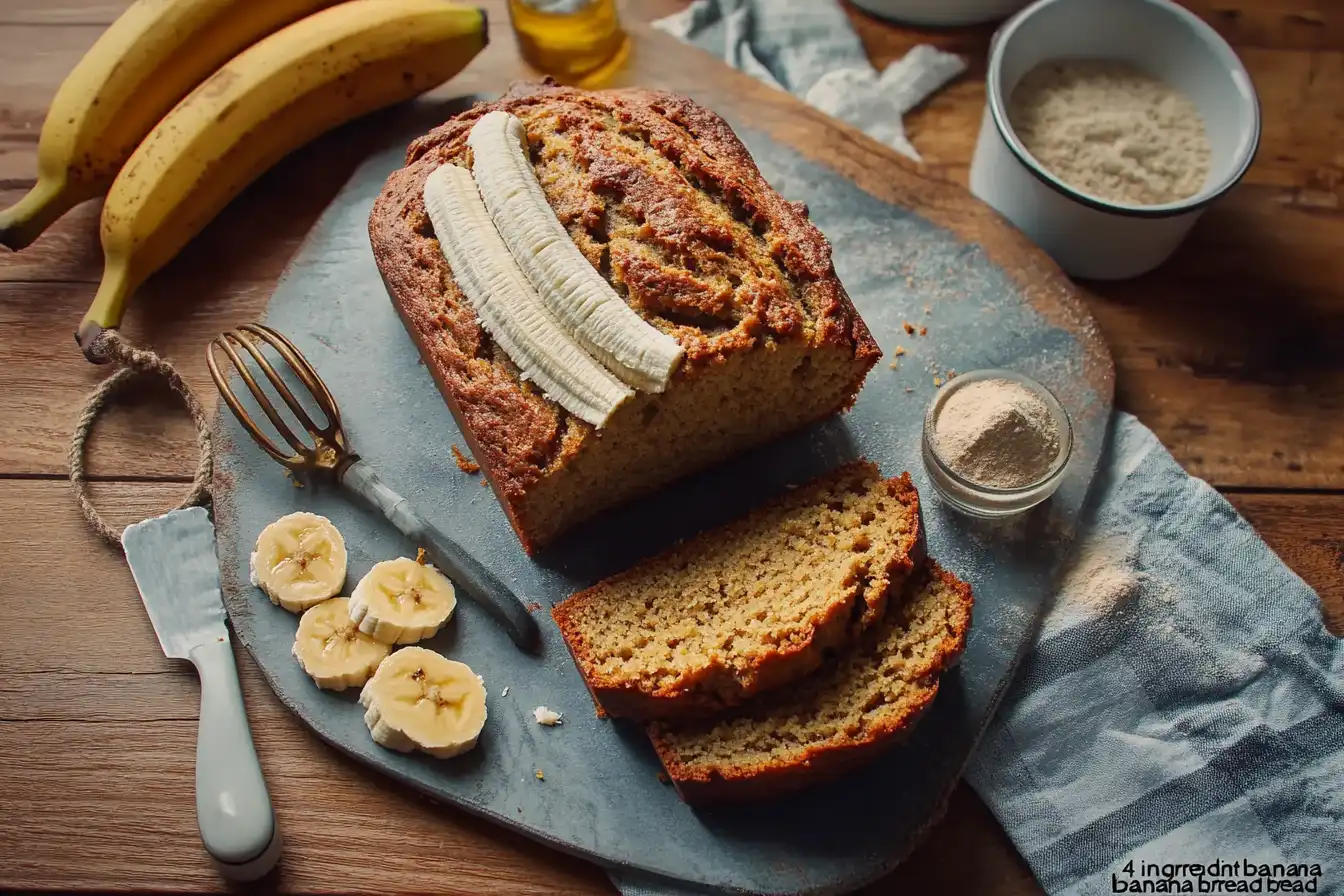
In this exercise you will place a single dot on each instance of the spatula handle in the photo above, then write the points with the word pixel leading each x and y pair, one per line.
pixel 233 807
pixel 480 584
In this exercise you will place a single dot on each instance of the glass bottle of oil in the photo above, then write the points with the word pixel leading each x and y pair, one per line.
pixel 569 39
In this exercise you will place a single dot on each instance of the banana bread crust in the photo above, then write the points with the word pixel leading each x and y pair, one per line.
pixel 832 760
pixel 587 149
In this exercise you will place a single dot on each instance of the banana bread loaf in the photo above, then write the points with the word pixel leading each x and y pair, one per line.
pixel 846 714
pixel 665 202
pixel 748 606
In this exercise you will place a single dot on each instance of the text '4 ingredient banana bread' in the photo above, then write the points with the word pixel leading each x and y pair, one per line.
pixel 859 704
pixel 664 201
pixel 751 605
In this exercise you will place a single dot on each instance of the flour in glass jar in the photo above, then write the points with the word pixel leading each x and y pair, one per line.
pixel 996 433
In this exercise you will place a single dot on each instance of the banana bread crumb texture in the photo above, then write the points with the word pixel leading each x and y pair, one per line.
pixel 748 606
pixel 856 706
pixel 665 202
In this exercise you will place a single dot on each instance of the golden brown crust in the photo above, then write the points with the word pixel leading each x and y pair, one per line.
pixel 717 686
pixel 704 211
pixel 754 781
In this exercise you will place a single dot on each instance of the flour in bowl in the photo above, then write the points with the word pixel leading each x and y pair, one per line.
pixel 1111 130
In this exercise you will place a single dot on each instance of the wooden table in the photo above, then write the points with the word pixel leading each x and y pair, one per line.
pixel 1233 353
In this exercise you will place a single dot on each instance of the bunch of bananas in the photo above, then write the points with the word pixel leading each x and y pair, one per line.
pixel 182 103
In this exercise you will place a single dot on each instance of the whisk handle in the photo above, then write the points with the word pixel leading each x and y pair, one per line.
pixel 467 573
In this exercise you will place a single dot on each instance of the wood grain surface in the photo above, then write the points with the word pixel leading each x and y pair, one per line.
pixel 1233 352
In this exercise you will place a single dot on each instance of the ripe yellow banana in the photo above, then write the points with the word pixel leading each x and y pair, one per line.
pixel 150 57
pixel 276 95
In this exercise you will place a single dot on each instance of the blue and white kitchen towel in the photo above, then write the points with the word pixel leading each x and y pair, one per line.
pixel 1183 702
pixel 809 49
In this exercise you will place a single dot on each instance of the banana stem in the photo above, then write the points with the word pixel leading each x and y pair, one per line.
pixel 109 303
pixel 25 220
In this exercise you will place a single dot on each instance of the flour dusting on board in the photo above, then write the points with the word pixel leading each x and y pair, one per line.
pixel 1100 580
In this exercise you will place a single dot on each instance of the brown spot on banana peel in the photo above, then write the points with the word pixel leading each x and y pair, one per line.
pixel 218 83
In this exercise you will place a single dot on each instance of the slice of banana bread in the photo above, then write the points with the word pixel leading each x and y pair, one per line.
pixel 666 204
pixel 748 606
pixel 845 715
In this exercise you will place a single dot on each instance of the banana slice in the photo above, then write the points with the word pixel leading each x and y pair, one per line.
pixel 299 561
pixel 331 648
pixel 572 289
pixel 509 308
pixel 401 601
pixel 419 700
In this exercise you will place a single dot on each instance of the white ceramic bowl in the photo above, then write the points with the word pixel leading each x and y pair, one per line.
pixel 941 13
pixel 1089 236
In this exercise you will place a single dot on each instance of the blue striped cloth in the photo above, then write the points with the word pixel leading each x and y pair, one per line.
pixel 1183 704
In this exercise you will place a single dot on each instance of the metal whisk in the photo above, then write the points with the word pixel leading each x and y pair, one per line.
pixel 329 454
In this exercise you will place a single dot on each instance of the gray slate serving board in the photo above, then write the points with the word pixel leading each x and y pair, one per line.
pixel 601 796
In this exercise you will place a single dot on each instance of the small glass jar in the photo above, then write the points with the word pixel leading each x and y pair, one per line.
pixel 569 39
pixel 980 500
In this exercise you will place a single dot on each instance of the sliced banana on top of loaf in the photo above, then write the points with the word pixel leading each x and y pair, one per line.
pixel 508 306
pixel 580 298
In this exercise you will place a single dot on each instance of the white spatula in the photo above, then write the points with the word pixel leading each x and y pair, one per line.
pixel 172 558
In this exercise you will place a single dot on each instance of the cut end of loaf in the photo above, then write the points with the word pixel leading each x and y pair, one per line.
pixel 702 419
pixel 750 606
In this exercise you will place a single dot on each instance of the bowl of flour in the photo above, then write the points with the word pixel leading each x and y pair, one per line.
pixel 1109 126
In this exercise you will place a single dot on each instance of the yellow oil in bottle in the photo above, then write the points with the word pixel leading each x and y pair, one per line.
pixel 569 39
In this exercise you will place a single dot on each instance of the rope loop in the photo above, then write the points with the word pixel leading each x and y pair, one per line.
pixel 135 362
